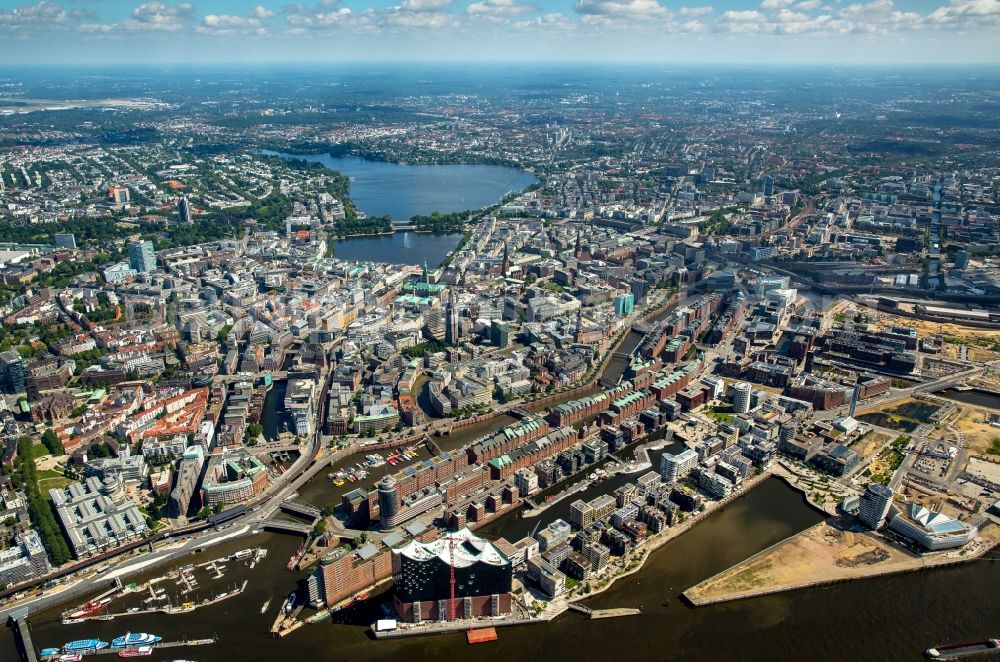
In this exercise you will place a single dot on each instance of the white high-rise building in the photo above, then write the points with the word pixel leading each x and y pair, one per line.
pixel 674 467
pixel 741 397
pixel 874 505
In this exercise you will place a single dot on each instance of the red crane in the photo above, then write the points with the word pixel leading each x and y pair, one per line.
pixel 451 568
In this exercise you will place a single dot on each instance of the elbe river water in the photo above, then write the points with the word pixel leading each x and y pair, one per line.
pixel 892 618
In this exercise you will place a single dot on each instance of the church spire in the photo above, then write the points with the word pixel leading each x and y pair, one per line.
pixel 505 264
pixel 576 251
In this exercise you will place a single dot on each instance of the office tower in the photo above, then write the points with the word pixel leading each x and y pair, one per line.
pixel 434 324
pixel 624 304
pixel 639 291
pixel 741 397
pixel 499 333
pixel 962 260
pixel 184 211
pixel 768 185
pixel 875 504
pixel 388 502
pixel 13 372
pixel 141 256
pixel 855 396
pixel 451 320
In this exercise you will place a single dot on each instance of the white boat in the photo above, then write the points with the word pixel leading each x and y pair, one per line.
pixel 267 603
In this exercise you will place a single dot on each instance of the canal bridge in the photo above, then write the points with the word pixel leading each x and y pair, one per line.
pixel 300 508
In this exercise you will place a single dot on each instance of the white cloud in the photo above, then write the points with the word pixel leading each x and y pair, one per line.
pixel 425 5
pixel 789 16
pixel 229 24
pixel 966 14
pixel 866 9
pixel 261 12
pixel 159 17
pixel 44 15
pixel 695 11
pixel 619 8
pixel 499 8
pixel 742 16
pixel 423 20
pixel 301 18
pixel 622 20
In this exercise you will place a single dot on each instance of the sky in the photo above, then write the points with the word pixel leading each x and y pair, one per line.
pixel 789 32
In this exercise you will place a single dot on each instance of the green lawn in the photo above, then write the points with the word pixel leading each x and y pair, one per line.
pixel 49 473
pixel 720 416
pixel 46 484
pixel 39 450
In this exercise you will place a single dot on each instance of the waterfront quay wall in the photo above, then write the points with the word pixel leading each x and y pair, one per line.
pixel 451 627
pixel 656 541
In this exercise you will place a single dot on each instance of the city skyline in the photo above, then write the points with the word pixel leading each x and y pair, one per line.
pixel 778 31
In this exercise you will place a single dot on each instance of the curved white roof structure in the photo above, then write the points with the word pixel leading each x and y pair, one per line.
pixel 469 549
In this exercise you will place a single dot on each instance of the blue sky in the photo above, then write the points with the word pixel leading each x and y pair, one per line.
pixel 779 31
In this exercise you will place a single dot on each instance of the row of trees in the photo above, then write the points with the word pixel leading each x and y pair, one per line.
pixel 42 518
pixel 369 225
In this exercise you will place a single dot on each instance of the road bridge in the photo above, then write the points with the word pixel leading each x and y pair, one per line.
pixel 287 526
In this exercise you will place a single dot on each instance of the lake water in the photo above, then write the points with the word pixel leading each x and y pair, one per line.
pixel 398 248
pixel 402 191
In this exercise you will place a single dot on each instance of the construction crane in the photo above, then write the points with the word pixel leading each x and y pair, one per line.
pixel 451 568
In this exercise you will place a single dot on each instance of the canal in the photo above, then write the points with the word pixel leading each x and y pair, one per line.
pixel 976 397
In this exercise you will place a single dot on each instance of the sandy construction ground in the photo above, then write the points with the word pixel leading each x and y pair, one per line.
pixel 821 555
pixel 978 434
